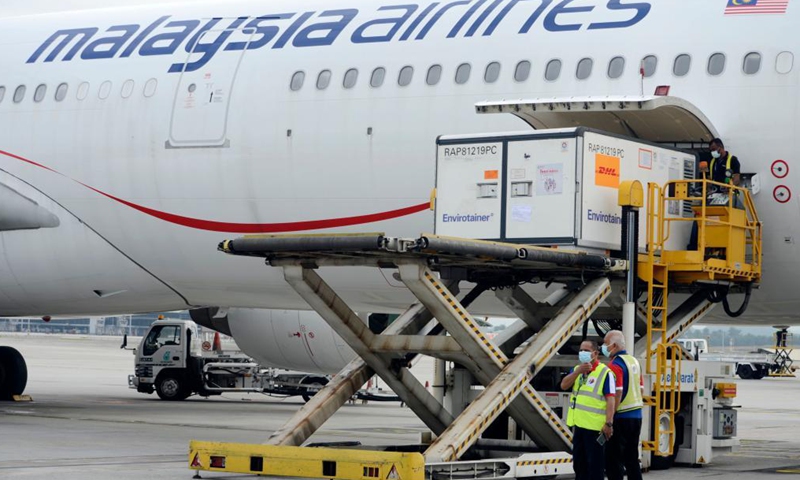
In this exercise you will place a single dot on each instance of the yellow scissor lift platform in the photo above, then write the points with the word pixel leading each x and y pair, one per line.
pixel 439 325
pixel 729 234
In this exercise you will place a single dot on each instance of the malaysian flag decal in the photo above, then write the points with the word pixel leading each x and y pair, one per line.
pixel 753 7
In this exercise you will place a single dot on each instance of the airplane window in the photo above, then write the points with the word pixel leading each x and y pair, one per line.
pixel 2 93
pixel 127 88
pixel 83 90
pixel 19 94
pixel 434 75
pixel 297 81
pixel 523 71
pixel 61 91
pixel 39 93
pixel 616 67
pixel 752 63
pixel 406 74
pixel 324 79
pixel 553 70
pixel 682 65
pixel 584 68
pixel 784 62
pixel 716 64
pixel 649 64
pixel 462 73
pixel 492 72
pixel 105 90
pixel 150 87
pixel 378 75
pixel 350 78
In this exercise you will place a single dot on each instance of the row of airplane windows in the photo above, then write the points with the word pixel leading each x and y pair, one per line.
pixel 751 65
pixel 61 91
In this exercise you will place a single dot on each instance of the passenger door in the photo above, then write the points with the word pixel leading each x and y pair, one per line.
pixel 202 98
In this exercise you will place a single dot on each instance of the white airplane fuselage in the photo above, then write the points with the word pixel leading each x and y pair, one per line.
pixel 157 152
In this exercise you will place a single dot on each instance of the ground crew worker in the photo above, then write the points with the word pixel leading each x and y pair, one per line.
pixel 622 450
pixel 591 412
pixel 724 168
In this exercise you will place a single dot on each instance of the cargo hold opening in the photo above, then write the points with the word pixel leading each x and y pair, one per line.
pixel 670 121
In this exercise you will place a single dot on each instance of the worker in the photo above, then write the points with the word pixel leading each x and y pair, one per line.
pixel 724 168
pixel 622 450
pixel 591 412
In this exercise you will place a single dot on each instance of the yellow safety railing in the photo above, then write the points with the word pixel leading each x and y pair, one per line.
pixel 663 358
pixel 729 235
pixel 729 246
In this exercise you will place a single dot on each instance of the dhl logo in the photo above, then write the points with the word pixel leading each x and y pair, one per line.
pixel 606 172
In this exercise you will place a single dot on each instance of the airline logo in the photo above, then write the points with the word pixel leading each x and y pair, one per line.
pixel 390 23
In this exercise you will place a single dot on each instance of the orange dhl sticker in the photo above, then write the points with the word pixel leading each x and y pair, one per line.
pixel 491 174
pixel 606 172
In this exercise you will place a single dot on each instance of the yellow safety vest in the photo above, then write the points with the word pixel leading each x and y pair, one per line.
pixel 587 404
pixel 727 167
pixel 632 397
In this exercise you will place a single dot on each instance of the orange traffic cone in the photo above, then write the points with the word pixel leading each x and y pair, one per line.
pixel 217 345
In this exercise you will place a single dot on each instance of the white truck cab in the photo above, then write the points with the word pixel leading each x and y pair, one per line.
pixel 175 361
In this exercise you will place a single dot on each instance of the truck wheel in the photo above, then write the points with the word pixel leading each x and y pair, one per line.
pixel 665 463
pixel 313 385
pixel 171 387
pixel 13 373
pixel 745 372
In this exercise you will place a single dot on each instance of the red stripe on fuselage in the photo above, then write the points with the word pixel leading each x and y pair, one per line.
pixel 233 227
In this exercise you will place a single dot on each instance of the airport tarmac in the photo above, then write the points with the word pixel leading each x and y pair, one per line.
pixel 85 424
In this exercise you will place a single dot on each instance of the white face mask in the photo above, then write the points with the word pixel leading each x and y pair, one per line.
pixel 584 357
pixel 715 154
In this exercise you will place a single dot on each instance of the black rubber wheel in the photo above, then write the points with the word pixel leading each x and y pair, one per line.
pixel 171 387
pixel 13 373
pixel 316 383
pixel 745 372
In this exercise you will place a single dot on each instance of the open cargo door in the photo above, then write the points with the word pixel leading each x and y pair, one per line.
pixel 654 118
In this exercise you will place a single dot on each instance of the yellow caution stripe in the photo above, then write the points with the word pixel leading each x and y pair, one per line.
pixel 328 463
pixel 548 461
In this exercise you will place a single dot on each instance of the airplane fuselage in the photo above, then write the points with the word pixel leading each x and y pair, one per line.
pixel 184 125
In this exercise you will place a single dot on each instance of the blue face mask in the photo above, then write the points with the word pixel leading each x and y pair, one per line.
pixel 715 154
pixel 584 357
pixel 605 351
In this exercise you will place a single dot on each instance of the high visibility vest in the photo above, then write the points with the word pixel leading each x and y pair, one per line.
pixel 632 396
pixel 587 404
pixel 727 167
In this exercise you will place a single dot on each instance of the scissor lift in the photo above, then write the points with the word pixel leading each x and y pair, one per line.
pixel 431 267
pixel 434 268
